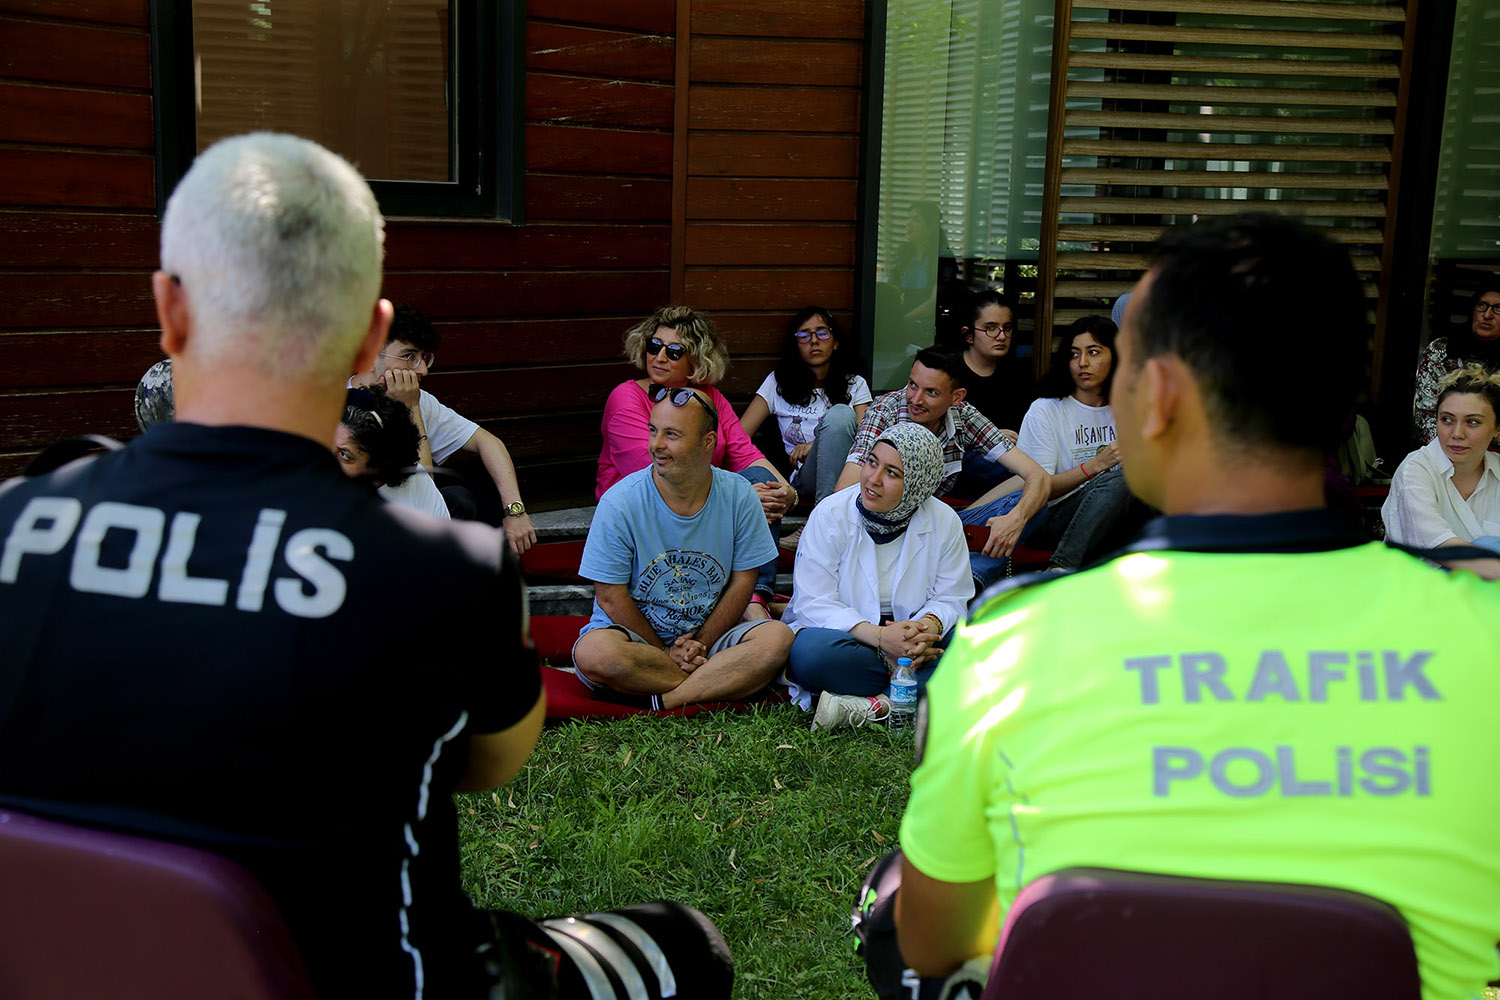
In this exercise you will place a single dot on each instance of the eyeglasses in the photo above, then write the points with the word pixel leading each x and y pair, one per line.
pixel 679 397
pixel 410 359
pixel 675 352
pixel 822 333
pixel 994 330
pixel 1485 308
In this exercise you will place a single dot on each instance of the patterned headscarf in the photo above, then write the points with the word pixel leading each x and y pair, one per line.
pixel 921 472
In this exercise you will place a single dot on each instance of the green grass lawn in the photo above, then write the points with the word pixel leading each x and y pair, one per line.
pixel 765 826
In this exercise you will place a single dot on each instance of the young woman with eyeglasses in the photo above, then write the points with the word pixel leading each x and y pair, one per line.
pixel 679 346
pixel 997 383
pixel 1477 343
pixel 816 398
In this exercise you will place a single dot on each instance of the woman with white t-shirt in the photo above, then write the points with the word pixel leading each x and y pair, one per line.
pixel 1447 492
pixel 816 398
pixel 377 441
pixel 1070 431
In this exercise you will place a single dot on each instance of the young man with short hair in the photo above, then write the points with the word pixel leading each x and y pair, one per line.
pixel 934 399
pixel 406 358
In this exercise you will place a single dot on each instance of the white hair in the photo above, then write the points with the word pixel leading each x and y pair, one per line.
pixel 277 244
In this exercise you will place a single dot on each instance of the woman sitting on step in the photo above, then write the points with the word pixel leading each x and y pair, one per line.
pixel 882 572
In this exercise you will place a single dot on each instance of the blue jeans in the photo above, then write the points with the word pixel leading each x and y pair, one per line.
pixel 987 569
pixel 765 577
pixel 1078 525
pixel 825 659
pixel 832 439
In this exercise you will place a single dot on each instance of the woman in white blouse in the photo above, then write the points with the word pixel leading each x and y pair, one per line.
pixel 1447 492
pixel 882 573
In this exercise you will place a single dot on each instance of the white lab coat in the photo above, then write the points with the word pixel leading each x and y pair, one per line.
pixel 835 584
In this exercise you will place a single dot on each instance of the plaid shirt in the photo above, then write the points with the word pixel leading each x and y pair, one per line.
pixel 964 429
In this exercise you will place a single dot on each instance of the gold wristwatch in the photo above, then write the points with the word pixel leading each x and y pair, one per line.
pixel 515 509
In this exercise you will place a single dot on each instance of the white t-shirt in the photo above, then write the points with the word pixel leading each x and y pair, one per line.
pixel 1425 508
pixel 420 493
pixel 447 431
pixel 797 422
pixel 1064 433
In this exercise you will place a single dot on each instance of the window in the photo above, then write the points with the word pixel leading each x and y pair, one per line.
pixel 420 95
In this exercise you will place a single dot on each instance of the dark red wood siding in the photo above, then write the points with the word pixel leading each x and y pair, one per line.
pixel 763 178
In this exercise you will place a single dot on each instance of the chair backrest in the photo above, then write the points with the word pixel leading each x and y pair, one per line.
pixel 88 913
pixel 1091 932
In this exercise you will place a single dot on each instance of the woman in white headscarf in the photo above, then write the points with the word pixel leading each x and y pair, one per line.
pixel 882 572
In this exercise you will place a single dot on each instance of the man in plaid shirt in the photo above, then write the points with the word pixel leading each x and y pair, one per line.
pixel 934 399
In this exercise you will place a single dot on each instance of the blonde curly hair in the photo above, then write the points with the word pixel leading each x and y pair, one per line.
pixel 1471 379
pixel 698 334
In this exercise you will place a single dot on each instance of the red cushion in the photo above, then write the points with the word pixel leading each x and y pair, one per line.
pixel 1024 555
pixel 553 560
pixel 568 698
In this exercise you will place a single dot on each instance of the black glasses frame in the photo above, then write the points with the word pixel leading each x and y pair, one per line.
pixel 675 352
pixel 680 396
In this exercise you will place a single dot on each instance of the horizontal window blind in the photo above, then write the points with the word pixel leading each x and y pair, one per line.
pixel 1166 110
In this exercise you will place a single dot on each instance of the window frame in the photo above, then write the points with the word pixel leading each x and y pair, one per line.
pixel 489 84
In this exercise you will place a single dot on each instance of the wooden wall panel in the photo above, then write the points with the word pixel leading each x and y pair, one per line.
pixel 772 168
pixel 771 199
pixel 67 357
pixel 772 154
pixel 73 179
pixel 771 243
pixel 429 245
pixel 749 287
pixel 581 150
pixel 68 116
pixel 119 13
pixel 776 109
pixel 780 18
pixel 621 55
pixel 789 62
pixel 33 238
pixel 597 101
pixel 649 16
pixel 581 196
pixel 531 293
pixel 71 300
pixel 60 53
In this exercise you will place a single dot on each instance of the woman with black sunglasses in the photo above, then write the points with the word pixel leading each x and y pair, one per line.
pixel 679 346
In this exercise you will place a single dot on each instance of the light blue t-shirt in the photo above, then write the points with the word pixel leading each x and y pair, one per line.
pixel 676 566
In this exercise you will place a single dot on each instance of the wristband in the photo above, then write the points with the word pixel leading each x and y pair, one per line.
pixel 1082 469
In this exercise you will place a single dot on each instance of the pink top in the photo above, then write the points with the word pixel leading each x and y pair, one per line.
pixel 627 411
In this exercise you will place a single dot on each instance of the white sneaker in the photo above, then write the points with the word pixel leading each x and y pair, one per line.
pixel 852 710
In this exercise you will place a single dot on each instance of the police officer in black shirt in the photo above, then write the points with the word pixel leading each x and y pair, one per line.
pixel 184 622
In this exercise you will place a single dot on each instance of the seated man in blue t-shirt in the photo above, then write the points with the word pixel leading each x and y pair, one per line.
pixel 673 551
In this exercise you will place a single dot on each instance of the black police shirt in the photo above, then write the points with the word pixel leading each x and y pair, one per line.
pixel 213 636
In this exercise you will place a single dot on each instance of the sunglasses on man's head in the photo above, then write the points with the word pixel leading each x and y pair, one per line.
pixel 675 352
pixel 679 397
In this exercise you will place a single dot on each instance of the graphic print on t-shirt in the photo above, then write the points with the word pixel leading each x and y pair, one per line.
pixel 678 589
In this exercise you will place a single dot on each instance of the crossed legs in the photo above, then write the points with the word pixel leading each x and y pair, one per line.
pixel 742 662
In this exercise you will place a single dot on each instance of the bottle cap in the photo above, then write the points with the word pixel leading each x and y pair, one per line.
pixel 903 661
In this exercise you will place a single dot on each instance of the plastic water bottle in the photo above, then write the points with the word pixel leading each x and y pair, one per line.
pixel 903 695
